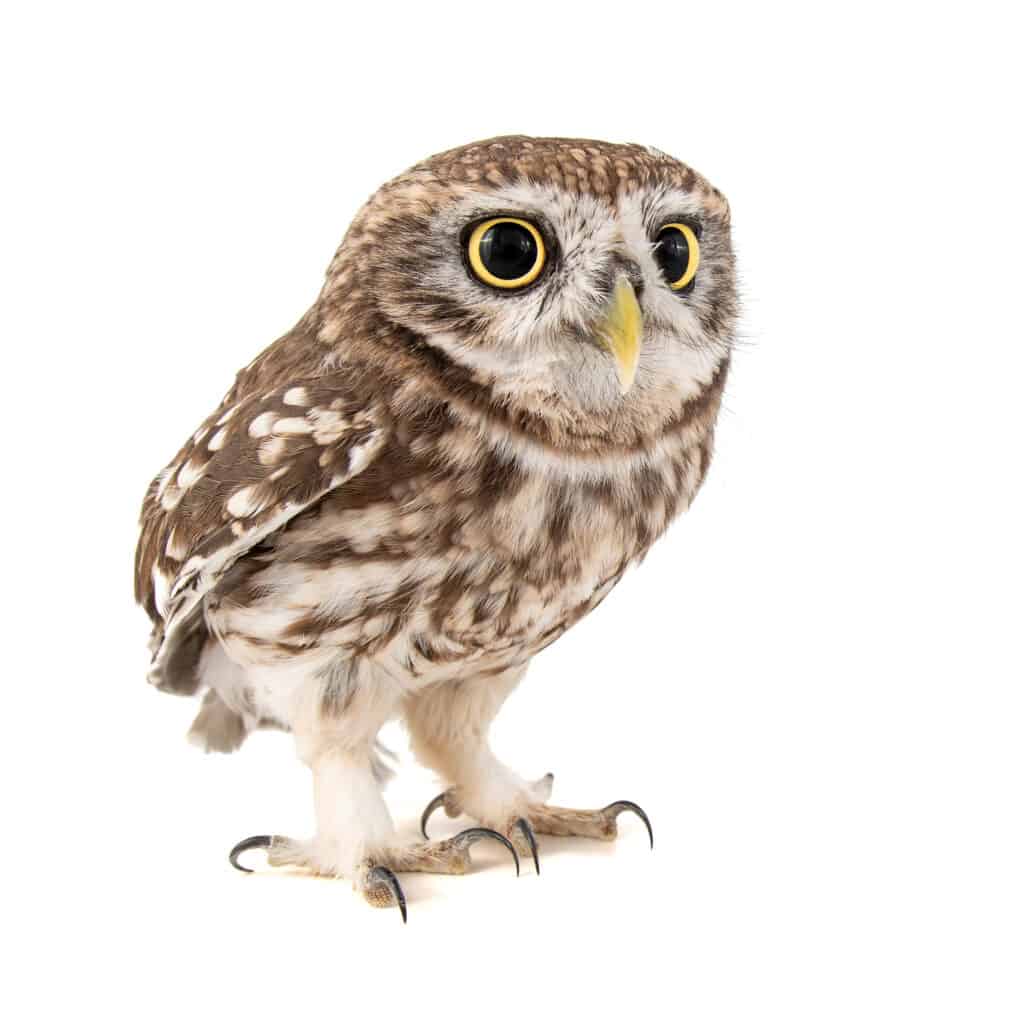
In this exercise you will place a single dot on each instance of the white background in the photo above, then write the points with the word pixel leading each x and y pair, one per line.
pixel 813 684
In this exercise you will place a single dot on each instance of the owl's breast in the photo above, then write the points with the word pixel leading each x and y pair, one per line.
pixel 438 569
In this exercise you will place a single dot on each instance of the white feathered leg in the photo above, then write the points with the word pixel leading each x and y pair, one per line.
pixel 335 730
pixel 335 716
pixel 449 726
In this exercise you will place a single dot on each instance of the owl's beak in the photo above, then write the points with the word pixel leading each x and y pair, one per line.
pixel 620 331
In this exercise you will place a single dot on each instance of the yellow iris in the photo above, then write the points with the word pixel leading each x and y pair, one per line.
pixel 480 254
pixel 694 259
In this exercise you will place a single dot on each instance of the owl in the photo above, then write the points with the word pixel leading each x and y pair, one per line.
pixel 504 393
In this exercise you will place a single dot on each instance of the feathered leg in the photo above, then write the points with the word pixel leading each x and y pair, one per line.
pixel 449 726
pixel 355 837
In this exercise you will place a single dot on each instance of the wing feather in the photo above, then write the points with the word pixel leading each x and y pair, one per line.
pixel 256 462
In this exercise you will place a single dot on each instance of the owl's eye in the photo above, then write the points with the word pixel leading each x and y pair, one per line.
pixel 678 255
pixel 506 252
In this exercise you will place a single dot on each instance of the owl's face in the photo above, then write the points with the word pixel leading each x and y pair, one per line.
pixel 590 281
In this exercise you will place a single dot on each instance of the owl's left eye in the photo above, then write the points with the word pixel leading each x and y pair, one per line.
pixel 506 252
pixel 678 255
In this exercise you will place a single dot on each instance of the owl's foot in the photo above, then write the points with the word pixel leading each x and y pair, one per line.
pixel 376 876
pixel 599 824
pixel 544 819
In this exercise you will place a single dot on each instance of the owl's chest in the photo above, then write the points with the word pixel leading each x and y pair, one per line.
pixel 506 560
pixel 523 568
pixel 438 573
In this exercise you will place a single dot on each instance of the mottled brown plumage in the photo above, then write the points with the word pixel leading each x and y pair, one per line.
pixel 427 481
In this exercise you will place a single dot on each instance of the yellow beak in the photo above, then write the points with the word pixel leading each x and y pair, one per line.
pixel 620 331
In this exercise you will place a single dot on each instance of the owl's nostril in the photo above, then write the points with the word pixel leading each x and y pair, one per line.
pixel 623 267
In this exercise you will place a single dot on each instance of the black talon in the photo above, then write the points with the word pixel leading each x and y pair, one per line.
pixel 251 843
pixel 471 835
pixel 524 827
pixel 438 801
pixel 390 880
pixel 627 805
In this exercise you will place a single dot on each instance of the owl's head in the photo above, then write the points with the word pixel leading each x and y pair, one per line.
pixel 587 287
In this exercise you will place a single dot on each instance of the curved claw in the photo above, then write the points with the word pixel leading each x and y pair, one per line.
pixel 250 843
pixel 390 881
pixel 524 826
pixel 615 809
pixel 468 837
pixel 438 801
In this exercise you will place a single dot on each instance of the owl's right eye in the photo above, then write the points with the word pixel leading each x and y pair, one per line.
pixel 506 252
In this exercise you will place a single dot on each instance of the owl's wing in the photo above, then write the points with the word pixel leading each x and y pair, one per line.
pixel 257 462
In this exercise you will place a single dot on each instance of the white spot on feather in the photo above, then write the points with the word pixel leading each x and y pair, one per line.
pixel 360 454
pixel 190 473
pixel 217 441
pixel 176 547
pixel 330 426
pixel 293 425
pixel 272 450
pixel 262 425
pixel 296 396
pixel 228 413
pixel 171 498
pixel 245 502
pixel 161 590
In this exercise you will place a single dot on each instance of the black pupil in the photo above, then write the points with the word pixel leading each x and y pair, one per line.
pixel 508 251
pixel 673 254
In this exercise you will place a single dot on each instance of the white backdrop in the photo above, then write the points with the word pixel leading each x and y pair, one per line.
pixel 813 684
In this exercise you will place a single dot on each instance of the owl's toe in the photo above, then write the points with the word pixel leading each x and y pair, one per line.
pixel 250 843
pixel 597 824
pixel 540 818
pixel 523 832
pixel 380 888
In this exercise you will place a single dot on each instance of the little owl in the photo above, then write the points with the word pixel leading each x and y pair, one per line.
pixel 504 394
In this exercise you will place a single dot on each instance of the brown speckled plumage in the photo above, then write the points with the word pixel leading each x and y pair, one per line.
pixel 427 481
